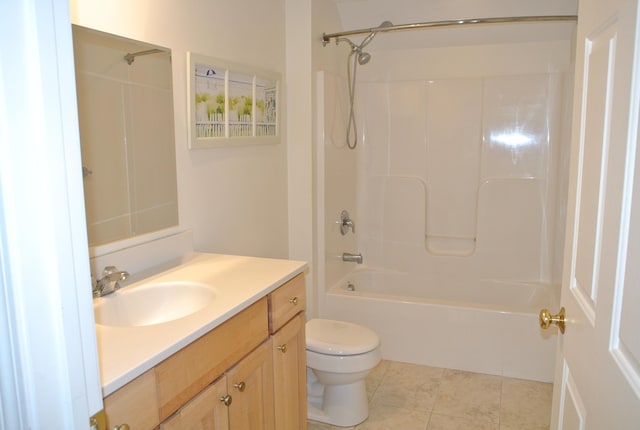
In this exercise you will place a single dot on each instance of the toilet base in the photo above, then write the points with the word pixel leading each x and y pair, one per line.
pixel 340 405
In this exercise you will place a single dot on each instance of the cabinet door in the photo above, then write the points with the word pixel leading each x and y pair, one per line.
pixel 135 404
pixel 250 384
pixel 290 380
pixel 206 411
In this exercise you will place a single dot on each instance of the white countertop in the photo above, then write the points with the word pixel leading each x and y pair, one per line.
pixel 127 352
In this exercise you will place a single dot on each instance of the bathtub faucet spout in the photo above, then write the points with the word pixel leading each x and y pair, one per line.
pixel 353 258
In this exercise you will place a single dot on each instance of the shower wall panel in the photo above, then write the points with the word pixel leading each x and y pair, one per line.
pixel 452 164
pixel 516 115
pixel 457 175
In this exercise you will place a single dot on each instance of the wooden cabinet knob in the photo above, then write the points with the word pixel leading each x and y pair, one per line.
pixel 293 301
pixel 282 347
pixel 226 400
pixel 240 386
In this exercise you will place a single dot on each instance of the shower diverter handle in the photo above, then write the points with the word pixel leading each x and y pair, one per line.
pixel 346 223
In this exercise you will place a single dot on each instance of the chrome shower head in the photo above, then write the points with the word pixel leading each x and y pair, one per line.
pixel 363 57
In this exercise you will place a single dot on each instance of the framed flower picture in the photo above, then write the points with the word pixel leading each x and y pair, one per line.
pixel 231 104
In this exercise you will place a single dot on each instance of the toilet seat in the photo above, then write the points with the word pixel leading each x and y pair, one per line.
pixel 339 338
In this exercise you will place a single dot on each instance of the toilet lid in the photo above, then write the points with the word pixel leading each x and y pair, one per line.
pixel 339 337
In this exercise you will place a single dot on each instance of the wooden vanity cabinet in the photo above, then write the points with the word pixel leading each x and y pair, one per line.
pixel 249 373
pixel 248 390
pixel 154 396
pixel 190 370
pixel 287 327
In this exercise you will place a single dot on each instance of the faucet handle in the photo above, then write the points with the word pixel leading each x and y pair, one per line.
pixel 109 282
pixel 108 270
pixel 113 273
pixel 346 223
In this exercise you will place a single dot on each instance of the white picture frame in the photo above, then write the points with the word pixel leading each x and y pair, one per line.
pixel 231 104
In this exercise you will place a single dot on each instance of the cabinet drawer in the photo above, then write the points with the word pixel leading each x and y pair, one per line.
pixel 184 374
pixel 286 302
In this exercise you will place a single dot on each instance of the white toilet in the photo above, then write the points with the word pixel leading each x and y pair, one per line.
pixel 339 356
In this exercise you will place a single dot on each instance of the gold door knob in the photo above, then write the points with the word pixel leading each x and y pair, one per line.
pixel 282 347
pixel 546 319
pixel 293 301
pixel 226 400
pixel 240 386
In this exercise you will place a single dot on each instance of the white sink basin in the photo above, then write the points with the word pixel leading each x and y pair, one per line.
pixel 153 303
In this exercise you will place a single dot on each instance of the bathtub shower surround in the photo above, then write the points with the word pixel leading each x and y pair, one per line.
pixel 459 197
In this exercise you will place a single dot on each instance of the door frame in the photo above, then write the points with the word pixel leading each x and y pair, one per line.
pixel 49 372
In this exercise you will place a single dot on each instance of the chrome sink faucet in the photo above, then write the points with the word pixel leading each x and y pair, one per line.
pixel 109 282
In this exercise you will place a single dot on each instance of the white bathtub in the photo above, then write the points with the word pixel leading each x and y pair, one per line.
pixel 485 326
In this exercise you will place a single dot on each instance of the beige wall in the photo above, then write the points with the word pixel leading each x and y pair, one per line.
pixel 234 199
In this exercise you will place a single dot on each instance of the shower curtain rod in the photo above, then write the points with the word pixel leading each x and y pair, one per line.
pixel 454 22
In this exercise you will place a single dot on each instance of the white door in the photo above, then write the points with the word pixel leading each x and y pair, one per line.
pixel 49 375
pixel 598 368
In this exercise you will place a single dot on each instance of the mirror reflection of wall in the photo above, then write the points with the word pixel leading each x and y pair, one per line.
pixel 125 110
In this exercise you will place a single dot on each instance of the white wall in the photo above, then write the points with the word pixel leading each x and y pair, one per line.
pixel 327 70
pixel 234 199
pixel 369 13
pixel 299 132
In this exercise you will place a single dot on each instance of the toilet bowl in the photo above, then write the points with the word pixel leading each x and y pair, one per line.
pixel 339 356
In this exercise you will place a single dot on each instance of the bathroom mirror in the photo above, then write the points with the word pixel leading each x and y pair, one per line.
pixel 125 110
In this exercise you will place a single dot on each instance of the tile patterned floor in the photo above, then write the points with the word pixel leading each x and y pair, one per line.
pixel 411 397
